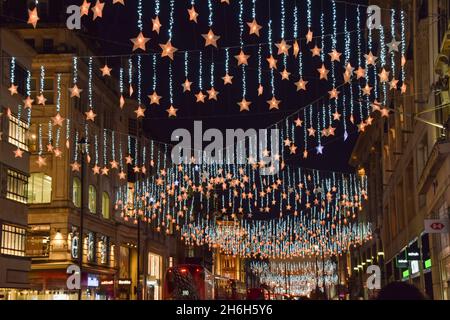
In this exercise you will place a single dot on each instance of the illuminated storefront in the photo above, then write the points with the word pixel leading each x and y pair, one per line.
pixel 154 277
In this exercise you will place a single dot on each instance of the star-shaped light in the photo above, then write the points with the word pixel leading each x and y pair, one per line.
pixel 403 88
pixel 28 103
pixel 18 153
pixel 384 75
pixel 311 132
pixel 273 103
pixel 154 98
pixel 156 24
pixel 360 73
pixel 98 10
pixel 285 74
pixel 227 79
pixel 128 159
pixel 192 14
pixel 335 56
pixel 139 42
pixel 305 154
pixel 119 1
pixel 323 72
pixel 393 45
pixel 393 84
pixel 13 89
pixel 106 71
pixel 254 27
pixel 301 84
pixel 367 90
pixel 186 85
pixel 296 48
pixel 33 17
pixel 105 171
pixel 272 62
pixel 90 115
pixel 114 164
pixel 309 36
pixel 41 99
pixel 200 97
pixel 316 51
pixel 84 8
pixel 75 166
pixel 58 120
pixel 212 94
pixel 172 111
pixel 293 149
pixel 260 90
pixel 210 38
pixel 242 58
pixel 283 47
pixel 121 101
pixel 136 169
pixel 384 112
pixel 75 91
pixel 319 149
pixel 49 148
pixel 334 94
pixel 140 112
pixel 298 122
pixel 244 105
pixel 168 50
pixel 370 59
pixel 336 116
pixel 122 175
pixel 96 169
pixel 57 152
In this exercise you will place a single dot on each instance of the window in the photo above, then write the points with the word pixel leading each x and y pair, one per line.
pixel 13 241
pixel 76 192
pixel 18 133
pixel 40 189
pixel 38 241
pixel 90 239
pixel 92 199
pixel 102 250
pixel 154 265
pixel 47 90
pixel 16 188
pixel 105 205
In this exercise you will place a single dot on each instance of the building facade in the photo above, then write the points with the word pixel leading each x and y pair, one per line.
pixel 410 183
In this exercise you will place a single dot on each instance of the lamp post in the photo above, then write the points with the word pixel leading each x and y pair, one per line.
pixel 82 146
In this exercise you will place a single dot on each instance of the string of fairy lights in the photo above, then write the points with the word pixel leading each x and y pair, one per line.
pixel 232 207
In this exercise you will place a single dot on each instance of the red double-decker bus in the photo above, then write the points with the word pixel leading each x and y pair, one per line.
pixel 188 282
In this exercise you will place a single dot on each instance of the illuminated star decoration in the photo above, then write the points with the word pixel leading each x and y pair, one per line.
pixel 273 103
pixel 41 99
pixel 84 9
pixel 28 102
pixel 309 36
pixel 212 94
pixel 156 25
pixel 75 166
pixel 58 120
pixel 33 17
pixel 18 153
pixel 90 115
pixel 172 111
pixel 283 47
pixel 244 105
pixel 122 175
pixel 193 14
pixel 272 62
pixel 168 50
pixel 242 58
pixel 370 59
pixel 139 42
pixel 96 169
pixel 106 71
pixel 323 72
pixel 75 91
pixel 393 45
pixel 13 89
pixel 319 149
pixel 301 84
pixel 254 27
pixel 335 56
pixel 154 98
pixel 119 1
pixel 140 112
pixel 98 10
pixel 316 51
pixel 200 97
pixel 186 85
pixel 210 38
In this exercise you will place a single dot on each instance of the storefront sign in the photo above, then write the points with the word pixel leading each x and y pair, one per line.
pixel 437 225
pixel 402 263
pixel 413 255
pixel 92 281
pixel 124 282
pixel 107 282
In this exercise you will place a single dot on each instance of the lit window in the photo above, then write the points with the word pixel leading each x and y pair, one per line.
pixel 40 188
pixel 105 205
pixel 16 188
pixel 38 241
pixel 18 133
pixel 76 192
pixel 13 241
pixel 92 199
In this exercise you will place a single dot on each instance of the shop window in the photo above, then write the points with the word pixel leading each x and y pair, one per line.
pixel 38 241
pixel 90 244
pixel 92 199
pixel 154 265
pixel 112 257
pixel 17 134
pixel 76 192
pixel 16 188
pixel 40 188
pixel 74 243
pixel 105 205
pixel 102 250
pixel 13 241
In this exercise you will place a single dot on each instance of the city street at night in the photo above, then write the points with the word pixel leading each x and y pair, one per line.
pixel 224 156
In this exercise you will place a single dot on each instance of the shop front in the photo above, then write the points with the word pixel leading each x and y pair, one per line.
pixel 154 277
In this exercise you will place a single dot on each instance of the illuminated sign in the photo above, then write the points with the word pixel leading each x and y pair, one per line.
pixel 107 282
pixel 92 281
pixel 125 282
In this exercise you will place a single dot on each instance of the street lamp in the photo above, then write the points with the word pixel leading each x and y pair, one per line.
pixel 82 146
